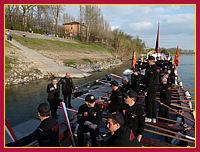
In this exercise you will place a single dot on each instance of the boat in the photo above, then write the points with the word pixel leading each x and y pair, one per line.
pixel 177 131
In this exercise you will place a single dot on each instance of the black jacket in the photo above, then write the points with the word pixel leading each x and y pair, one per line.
pixel 134 118
pixel 53 95
pixel 47 135
pixel 67 85
pixel 123 137
pixel 135 82
pixel 165 93
pixel 152 77
pixel 85 113
pixel 116 101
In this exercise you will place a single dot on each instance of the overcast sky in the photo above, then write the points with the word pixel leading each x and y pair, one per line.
pixel 177 22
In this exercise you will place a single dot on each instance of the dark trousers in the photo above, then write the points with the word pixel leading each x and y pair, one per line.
pixel 9 37
pixel 53 108
pixel 163 111
pixel 67 98
pixel 93 134
pixel 150 101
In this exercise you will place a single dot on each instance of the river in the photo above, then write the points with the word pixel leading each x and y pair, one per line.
pixel 21 101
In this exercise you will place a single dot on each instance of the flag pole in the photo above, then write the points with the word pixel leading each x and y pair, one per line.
pixel 157 40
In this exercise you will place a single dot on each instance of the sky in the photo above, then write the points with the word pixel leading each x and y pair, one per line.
pixel 177 23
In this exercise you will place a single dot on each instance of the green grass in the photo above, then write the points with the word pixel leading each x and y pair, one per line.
pixel 87 60
pixel 53 45
pixel 70 63
pixel 8 62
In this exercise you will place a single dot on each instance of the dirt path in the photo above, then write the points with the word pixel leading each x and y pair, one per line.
pixel 44 64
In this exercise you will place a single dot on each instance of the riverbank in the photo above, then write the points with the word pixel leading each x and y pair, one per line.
pixel 36 57
pixel 23 98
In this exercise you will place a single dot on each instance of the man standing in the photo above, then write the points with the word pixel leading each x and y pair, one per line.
pixel 135 81
pixel 152 84
pixel 9 36
pixel 89 117
pixel 53 90
pixel 115 101
pixel 165 97
pixel 121 136
pixel 67 89
pixel 134 114
pixel 47 133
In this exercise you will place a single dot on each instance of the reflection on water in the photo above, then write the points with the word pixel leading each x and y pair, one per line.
pixel 22 100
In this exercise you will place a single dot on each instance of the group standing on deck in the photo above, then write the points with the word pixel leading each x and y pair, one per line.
pixel 126 119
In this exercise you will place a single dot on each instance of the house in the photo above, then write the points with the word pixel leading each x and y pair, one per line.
pixel 73 29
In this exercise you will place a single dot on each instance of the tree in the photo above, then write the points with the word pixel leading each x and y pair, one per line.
pixel 56 10
pixel 10 13
pixel 25 10
pixel 139 44
pixel 68 18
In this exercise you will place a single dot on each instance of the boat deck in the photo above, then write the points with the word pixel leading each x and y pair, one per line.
pixel 153 135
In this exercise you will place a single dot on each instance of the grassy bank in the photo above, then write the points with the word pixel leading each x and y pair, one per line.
pixel 8 63
pixel 56 45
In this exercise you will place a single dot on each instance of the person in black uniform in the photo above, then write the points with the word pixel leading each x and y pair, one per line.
pixel 125 84
pixel 152 84
pixel 125 87
pixel 143 69
pixel 171 76
pixel 89 116
pixel 165 97
pixel 53 90
pixel 135 81
pixel 121 135
pixel 67 89
pixel 115 101
pixel 134 114
pixel 47 133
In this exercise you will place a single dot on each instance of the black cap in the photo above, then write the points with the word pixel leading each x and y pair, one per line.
pixel 114 82
pixel 130 93
pixel 151 58
pixel 44 109
pixel 118 117
pixel 90 98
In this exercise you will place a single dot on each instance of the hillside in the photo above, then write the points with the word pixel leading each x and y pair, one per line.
pixel 32 56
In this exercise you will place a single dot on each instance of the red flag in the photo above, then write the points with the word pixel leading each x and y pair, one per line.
pixel 176 59
pixel 157 40
pixel 134 58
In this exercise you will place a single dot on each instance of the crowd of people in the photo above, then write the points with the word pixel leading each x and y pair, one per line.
pixel 125 118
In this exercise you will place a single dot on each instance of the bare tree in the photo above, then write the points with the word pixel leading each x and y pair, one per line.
pixel 68 18
pixel 56 10
pixel 25 10
pixel 81 22
pixel 10 12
